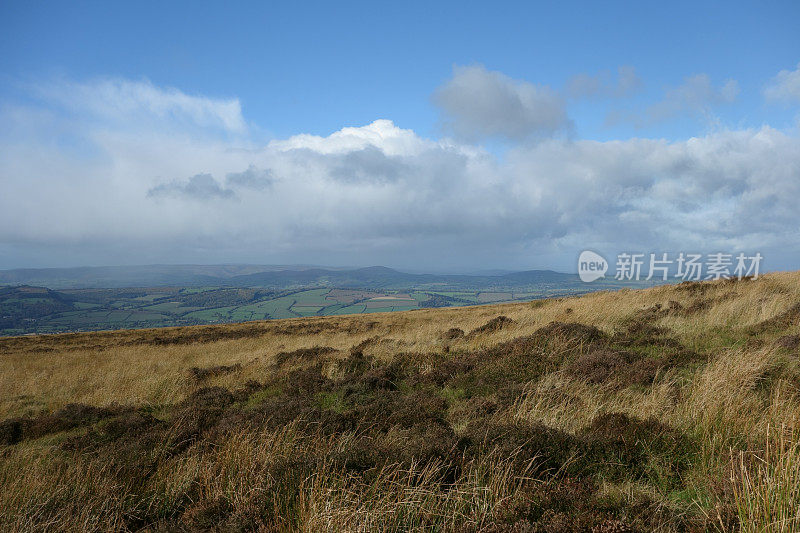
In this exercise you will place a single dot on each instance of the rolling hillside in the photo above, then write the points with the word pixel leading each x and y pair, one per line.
pixel 109 298
pixel 675 408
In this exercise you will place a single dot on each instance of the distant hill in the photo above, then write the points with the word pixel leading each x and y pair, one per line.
pixel 135 276
pixel 273 276
pixel 378 277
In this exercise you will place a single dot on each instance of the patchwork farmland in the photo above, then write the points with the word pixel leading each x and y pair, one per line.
pixel 39 310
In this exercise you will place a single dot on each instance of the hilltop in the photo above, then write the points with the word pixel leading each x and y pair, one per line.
pixel 672 408
pixel 273 276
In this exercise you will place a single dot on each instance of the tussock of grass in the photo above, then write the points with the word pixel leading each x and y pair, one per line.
pixel 766 484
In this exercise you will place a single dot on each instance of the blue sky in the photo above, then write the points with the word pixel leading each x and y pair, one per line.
pixel 507 96
pixel 316 67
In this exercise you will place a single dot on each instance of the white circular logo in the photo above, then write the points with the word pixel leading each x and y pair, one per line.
pixel 591 266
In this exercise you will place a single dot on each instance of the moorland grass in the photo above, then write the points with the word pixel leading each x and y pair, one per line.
pixel 669 409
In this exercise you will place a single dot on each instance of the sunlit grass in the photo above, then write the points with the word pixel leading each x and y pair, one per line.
pixel 736 400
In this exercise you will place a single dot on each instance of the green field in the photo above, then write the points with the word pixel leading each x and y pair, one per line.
pixel 26 309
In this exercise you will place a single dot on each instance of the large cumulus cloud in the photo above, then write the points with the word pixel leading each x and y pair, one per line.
pixel 377 193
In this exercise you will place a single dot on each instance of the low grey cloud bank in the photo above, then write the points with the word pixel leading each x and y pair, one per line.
pixel 252 178
pixel 379 193
pixel 198 187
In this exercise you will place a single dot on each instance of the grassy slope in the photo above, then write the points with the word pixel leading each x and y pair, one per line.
pixel 664 409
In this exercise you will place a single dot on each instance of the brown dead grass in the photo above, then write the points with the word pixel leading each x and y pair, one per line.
pixel 714 363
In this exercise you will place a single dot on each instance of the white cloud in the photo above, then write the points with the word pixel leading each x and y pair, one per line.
pixel 695 97
pixel 197 187
pixel 115 99
pixel 252 178
pixel 394 140
pixel 382 194
pixel 478 103
pixel 784 87
pixel 601 85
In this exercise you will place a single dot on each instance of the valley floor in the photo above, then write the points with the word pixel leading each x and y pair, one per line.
pixel 668 409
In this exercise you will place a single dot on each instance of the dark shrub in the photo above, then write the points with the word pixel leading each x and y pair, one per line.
pixel 453 333
pixel 11 430
pixel 571 331
pixel 599 366
pixel 127 425
pixel 507 395
pixel 303 354
pixel 359 456
pixel 355 364
pixel 421 443
pixel 517 361
pixel 366 343
pixel 694 287
pixel 549 449
pixel 674 307
pixel 790 342
pixel 622 446
pixel 472 409
pixel 274 412
pixel 495 324
pixel 385 376
pixel 68 417
pixel 444 371
pixel 416 408
pixel 304 381
pixel 198 414
pixel 625 368
pixel 199 374
pixel 642 334
pixel 698 305
pixel 125 439
pixel 563 505
pixel 208 398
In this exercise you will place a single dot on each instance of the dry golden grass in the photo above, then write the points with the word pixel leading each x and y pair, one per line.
pixel 730 399
pixel 141 367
